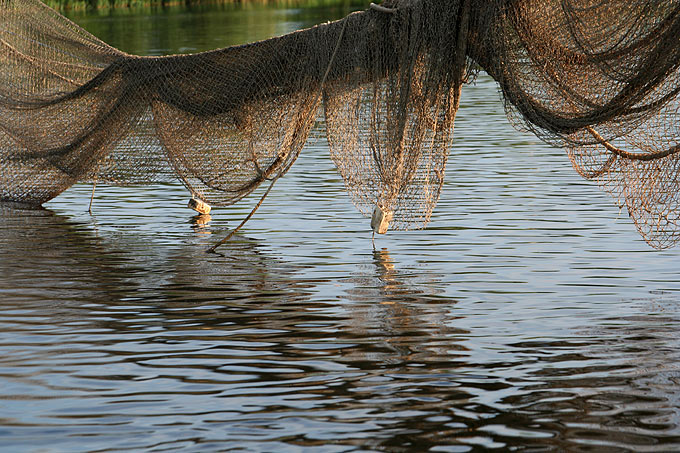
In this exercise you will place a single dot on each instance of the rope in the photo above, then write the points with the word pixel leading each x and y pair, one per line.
pixel 633 156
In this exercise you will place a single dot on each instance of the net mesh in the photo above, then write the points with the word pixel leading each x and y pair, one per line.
pixel 597 78
pixel 600 79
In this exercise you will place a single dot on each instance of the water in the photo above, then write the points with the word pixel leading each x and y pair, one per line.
pixel 528 315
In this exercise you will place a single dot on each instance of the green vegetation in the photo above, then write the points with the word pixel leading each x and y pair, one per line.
pixel 65 5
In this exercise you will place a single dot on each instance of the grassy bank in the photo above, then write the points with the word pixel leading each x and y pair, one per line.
pixel 65 5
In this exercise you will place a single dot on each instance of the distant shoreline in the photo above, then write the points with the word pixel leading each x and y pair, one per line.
pixel 82 5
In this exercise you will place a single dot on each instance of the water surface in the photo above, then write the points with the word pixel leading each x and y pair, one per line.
pixel 528 315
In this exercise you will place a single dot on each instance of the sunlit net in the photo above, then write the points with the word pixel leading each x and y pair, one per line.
pixel 597 78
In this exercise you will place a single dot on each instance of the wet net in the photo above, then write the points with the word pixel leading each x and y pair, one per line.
pixel 597 78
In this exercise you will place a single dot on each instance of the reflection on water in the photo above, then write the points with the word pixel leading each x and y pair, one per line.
pixel 525 316
pixel 181 29
pixel 112 340
pixel 201 223
pixel 381 281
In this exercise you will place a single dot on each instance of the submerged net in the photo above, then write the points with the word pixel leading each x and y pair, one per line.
pixel 597 78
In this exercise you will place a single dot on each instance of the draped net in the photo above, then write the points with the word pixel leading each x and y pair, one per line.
pixel 599 79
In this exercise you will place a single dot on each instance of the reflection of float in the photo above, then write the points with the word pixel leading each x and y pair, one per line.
pixel 599 79
pixel 200 223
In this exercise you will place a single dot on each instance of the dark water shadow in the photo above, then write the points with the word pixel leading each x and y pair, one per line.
pixel 48 260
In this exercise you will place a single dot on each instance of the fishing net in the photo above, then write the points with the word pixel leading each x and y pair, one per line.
pixel 389 125
pixel 73 108
pixel 601 79
pixel 597 78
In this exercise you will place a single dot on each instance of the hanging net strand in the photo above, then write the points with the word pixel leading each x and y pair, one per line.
pixel 600 79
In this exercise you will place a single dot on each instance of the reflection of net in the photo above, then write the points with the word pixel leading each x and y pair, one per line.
pixel 598 78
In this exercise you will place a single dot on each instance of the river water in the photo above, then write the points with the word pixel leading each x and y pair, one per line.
pixel 528 315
